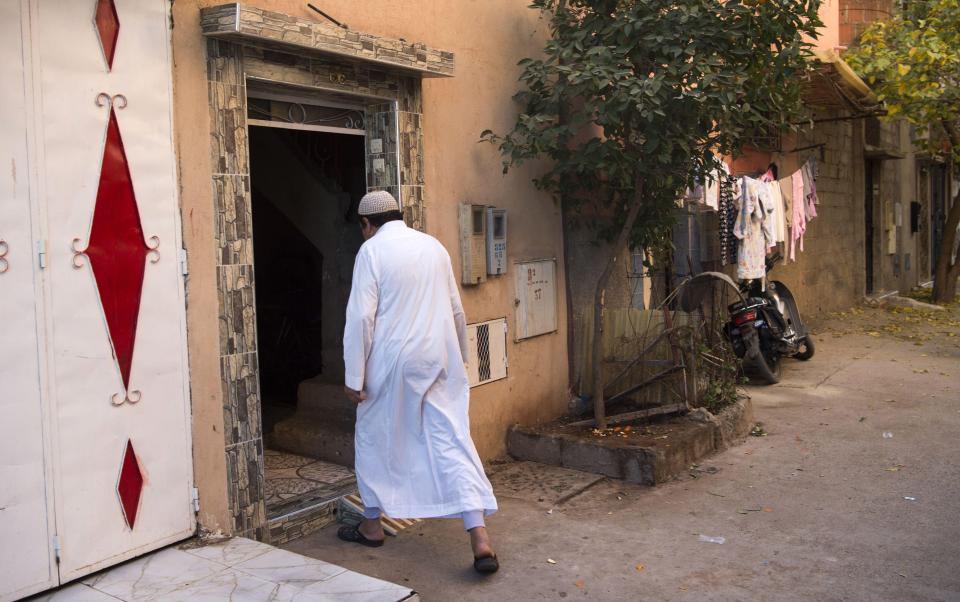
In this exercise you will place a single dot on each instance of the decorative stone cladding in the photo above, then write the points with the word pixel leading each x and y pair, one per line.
pixel 358 68
pixel 252 25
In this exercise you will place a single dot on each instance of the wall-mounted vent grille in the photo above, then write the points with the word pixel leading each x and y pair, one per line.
pixel 483 352
pixel 487 351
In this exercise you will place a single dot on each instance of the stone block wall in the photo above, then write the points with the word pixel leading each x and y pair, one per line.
pixel 829 274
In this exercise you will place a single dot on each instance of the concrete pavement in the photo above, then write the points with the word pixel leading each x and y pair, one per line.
pixel 825 507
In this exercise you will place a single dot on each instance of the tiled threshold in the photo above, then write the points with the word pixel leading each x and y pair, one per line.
pixel 302 494
pixel 235 569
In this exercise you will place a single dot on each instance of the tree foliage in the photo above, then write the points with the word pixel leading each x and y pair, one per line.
pixel 912 61
pixel 632 93
pixel 634 99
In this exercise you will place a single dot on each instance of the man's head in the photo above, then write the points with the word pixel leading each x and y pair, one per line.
pixel 376 209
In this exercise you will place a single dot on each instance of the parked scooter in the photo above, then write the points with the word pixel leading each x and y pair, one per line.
pixel 766 327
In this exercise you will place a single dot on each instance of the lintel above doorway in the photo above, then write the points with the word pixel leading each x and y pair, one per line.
pixel 254 26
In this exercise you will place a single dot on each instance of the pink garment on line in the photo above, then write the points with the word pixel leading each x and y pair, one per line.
pixel 798 221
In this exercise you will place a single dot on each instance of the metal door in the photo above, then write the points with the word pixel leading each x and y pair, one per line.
pixel 26 531
pixel 114 342
pixel 938 212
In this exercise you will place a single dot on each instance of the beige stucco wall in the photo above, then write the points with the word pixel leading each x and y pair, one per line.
pixel 191 132
pixel 488 38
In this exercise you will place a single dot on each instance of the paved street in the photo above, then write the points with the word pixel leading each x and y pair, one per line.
pixel 824 507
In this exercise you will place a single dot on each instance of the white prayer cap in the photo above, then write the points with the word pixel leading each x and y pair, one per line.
pixel 378 201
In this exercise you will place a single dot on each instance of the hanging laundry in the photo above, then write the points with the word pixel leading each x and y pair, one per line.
pixel 812 162
pixel 754 228
pixel 786 192
pixel 727 214
pixel 798 220
pixel 809 191
pixel 779 213
pixel 776 197
pixel 711 186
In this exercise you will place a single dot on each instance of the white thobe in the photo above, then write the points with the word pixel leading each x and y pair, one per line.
pixel 405 345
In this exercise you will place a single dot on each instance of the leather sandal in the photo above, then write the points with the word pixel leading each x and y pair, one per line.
pixel 352 534
pixel 486 564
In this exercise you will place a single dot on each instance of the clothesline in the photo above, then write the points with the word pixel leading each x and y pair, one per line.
pixel 760 211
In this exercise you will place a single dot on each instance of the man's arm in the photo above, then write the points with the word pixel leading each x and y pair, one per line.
pixel 459 318
pixel 361 319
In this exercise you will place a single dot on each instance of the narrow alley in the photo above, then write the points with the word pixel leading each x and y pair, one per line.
pixel 852 493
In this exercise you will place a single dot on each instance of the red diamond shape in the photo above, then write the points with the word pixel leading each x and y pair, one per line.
pixel 117 250
pixel 108 28
pixel 130 485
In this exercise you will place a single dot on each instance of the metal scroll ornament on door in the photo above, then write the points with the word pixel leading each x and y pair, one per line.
pixel 117 249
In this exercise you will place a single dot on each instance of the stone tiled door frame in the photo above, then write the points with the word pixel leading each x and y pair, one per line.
pixel 393 116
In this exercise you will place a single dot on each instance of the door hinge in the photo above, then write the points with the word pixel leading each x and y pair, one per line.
pixel 195 498
pixel 42 253
pixel 184 270
pixel 56 548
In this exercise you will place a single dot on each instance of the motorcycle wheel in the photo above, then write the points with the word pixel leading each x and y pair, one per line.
pixel 766 369
pixel 808 349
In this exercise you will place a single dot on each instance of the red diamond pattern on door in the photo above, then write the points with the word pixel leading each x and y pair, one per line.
pixel 118 253
pixel 108 29
pixel 130 484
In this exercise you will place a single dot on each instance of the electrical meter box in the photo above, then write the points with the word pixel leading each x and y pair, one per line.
pixel 496 241
pixel 473 244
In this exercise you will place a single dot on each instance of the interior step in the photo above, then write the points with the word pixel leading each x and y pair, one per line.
pixel 322 426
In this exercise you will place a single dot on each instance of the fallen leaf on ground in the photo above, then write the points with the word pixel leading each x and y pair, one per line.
pixel 551 561
pixel 640 567
pixel 768 509
pixel 578 583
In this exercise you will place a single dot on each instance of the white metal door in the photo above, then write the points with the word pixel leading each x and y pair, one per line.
pixel 26 552
pixel 115 325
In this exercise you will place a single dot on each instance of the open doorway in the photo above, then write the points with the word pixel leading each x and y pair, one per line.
pixel 305 185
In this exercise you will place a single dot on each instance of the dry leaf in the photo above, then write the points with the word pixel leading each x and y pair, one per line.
pixel 640 567
pixel 578 583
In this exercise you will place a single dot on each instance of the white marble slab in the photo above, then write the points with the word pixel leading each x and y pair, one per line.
pixel 230 552
pixel 76 592
pixel 236 569
pixel 347 587
pixel 228 584
pixel 287 568
pixel 153 576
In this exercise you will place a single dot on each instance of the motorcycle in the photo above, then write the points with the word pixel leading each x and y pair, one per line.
pixel 765 327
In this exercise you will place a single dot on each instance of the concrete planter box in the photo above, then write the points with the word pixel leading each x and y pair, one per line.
pixel 643 458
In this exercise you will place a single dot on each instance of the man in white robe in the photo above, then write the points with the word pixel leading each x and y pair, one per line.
pixel 405 346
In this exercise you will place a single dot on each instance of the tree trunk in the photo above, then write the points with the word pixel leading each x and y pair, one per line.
pixel 599 404
pixel 945 277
